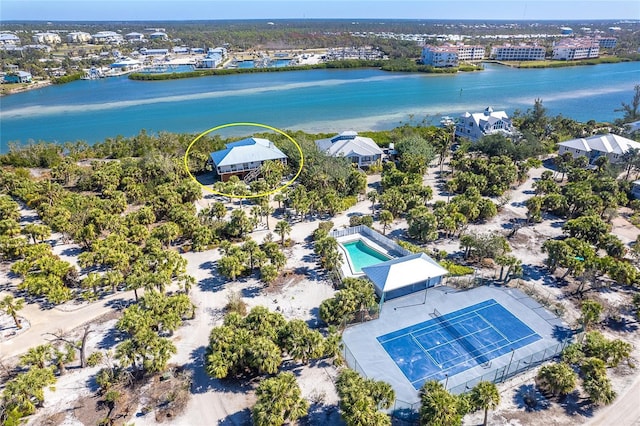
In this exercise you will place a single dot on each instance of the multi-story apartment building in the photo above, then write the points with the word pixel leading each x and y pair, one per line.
pixel 520 52
pixel 78 37
pixel 450 55
pixel 575 49
pixel 46 38
pixel 107 37
pixel 470 53
pixel 607 42
pixel 440 56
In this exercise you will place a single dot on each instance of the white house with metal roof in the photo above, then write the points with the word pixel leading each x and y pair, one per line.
pixel 241 157
pixel 360 150
pixel 474 126
pixel 404 275
pixel 611 146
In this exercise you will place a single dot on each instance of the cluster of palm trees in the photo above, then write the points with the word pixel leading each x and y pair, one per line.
pixel 439 407
pixel 591 358
pixel 257 344
pixel 238 260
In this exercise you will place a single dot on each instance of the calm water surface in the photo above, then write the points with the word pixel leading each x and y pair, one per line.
pixel 314 101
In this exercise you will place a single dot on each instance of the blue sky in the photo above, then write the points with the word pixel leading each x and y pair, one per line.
pixel 106 10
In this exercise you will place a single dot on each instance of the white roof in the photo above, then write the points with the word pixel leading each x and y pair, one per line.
pixel 633 126
pixel 247 151
pixel 609 143
pixel 403 272
pixel 348 144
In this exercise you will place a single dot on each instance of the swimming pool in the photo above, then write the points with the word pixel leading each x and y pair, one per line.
pixel 361 255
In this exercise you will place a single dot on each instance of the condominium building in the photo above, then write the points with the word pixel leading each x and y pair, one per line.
pixel 575 49
pixel 450 55
pixel 78 37
pixel 107 37
pixel 470 53
pixel 607 42
pixel 46 38
pixel 520 52
pixel 440 56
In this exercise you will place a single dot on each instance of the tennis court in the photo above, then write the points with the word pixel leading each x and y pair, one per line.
pixel 457 341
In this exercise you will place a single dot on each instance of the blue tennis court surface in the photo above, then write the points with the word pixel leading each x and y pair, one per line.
pixel 457 341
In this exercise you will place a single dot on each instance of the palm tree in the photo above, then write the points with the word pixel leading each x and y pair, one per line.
pixel 386 219
pixel 11 307
pixel 591 311
pixel 485 396
pixel 230 266
pixel 283 229
pixel 251 248
pixel 373 197
pixel 279 401
pixel 439 407
pixel 37 356
pixel 557 378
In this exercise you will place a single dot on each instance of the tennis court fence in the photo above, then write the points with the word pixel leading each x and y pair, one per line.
pixel 409 410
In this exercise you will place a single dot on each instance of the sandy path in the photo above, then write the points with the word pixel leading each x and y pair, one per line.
pixel 625 410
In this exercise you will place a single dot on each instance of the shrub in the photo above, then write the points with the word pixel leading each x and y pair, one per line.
pixel 456 270
pixel 95 359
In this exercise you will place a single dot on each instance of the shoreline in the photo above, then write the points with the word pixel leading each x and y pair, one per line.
pixel 31 86
pixel 346 64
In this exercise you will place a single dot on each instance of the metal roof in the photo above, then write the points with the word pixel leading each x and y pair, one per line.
pixel 247 151
pixel 403 272
pixel 347 144
pixel 609 143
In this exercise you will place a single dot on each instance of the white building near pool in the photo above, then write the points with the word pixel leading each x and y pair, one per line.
pixel 404 275
pixel 393 270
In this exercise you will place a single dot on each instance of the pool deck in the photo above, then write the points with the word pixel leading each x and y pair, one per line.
pixel 347 268
pixel 365 354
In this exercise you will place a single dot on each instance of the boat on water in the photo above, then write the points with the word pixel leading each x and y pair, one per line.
pixel 447 121
pixel 93 73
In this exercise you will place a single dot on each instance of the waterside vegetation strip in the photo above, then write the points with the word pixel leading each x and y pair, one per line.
pixel 561 64
pixel 400 65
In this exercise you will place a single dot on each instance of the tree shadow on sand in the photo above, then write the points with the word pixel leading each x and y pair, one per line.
pixel 239 418
pixel 203 383
pixel 528 398
pixel 573 405
pixel 213 284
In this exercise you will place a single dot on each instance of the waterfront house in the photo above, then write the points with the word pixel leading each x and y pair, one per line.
pixel 360 150
pixel 244 156
pixel 611 146
pixel 17 77
pixel 476 125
